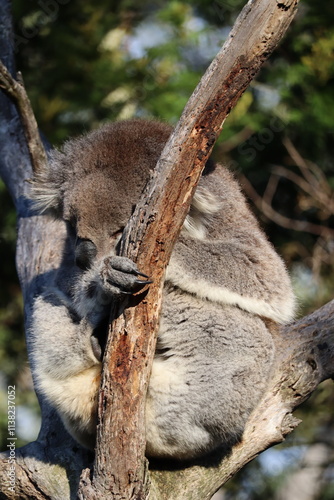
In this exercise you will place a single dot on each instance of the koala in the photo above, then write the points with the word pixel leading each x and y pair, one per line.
pixel 225 290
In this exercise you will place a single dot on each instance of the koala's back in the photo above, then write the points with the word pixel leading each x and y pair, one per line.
pixel 212 360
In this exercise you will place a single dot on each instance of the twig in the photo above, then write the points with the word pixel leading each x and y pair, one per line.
pixel 310 170
pixel 235 140
pixel 16 92
pixel 319 192
pixel 281 220
pixel 270 190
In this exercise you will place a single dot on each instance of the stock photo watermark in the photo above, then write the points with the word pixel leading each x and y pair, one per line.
pixel 11 438
pixel 50 9
pixel 222 8
pixel 260 140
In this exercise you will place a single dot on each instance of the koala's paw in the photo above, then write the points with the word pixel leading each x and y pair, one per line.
pixel 120 275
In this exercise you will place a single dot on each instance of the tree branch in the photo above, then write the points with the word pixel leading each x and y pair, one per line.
pixel 149 238
pixel 50 467
pixel 272 214
pixel 16 92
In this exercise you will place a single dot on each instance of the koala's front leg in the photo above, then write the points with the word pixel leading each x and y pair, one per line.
pixel 66 351
pixel 108 279
pixel 65 367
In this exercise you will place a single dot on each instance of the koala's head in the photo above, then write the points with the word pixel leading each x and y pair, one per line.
pixel 95 181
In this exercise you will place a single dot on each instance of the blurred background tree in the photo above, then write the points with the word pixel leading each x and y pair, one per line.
pixel 88 62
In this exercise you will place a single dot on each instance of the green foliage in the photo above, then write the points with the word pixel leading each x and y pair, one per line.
pixel 88 62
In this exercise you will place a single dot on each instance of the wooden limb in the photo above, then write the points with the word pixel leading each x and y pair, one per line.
pixel 43 470
pixel 16 92
pixel 119 469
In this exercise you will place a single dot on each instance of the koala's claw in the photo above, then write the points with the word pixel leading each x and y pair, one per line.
pixel 119 275
pixel 144 282
pixel 143 275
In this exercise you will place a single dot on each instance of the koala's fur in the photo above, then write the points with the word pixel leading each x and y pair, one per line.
pixel 225 284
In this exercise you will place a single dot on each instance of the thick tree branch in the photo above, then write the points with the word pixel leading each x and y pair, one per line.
pixel 50 467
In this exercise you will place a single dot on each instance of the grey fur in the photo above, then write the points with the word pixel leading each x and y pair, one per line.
pixel 225 285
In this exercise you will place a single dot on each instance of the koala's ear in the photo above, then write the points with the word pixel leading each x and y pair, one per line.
pixel 46 195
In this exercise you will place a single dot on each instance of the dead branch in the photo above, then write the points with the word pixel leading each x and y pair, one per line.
pixel 16 92
pixel 308 169
pixel 317 194
pixel 314 192
pixel 235 140
pixel 270 190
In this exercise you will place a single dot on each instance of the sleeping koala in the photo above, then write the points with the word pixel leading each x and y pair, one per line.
pixel 225 287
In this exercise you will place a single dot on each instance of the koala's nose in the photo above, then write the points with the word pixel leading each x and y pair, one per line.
pixel 108 245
